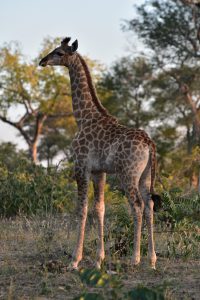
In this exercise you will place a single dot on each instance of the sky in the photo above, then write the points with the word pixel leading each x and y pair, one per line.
pixel 95 23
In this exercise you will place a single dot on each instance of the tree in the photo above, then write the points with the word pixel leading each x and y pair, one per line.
pixel 124 90
pixel 170 90
pixel 171 30
pixel 41 95
pixel 53 143
pixel 38 94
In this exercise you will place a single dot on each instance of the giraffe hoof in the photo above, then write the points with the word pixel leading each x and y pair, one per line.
pixel 134 265
pixel 73 266
pixel 97 265
pixel 153 265
pixel 136 261
pixel 152 261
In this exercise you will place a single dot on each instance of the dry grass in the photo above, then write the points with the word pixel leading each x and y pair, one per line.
pixel 34 254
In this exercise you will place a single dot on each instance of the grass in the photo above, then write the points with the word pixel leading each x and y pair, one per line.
pixel 35 252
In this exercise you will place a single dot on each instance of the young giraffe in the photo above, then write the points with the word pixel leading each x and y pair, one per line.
pixel 102 146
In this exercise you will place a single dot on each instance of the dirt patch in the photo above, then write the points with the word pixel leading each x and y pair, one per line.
pixel 34 255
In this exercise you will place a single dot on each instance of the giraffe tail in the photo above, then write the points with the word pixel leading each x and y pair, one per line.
pixel 153 166
pixel 155 197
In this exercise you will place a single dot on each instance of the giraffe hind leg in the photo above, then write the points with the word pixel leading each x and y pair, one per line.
pixel 137 207
pixel 130 178
pixel 130 186
pixel 144 185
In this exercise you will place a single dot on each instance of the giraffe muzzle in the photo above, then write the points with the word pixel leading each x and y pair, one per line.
pixel 43 62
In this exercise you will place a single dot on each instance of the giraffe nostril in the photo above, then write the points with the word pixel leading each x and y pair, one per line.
pixel 43 62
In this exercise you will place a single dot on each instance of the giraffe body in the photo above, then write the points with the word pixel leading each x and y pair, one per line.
pixel 106 146
pixel 101 146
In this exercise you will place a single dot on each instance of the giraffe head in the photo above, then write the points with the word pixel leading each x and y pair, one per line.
pixel 62 55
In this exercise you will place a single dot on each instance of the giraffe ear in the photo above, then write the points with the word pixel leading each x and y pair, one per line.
pixel 65 41
pixel 74 46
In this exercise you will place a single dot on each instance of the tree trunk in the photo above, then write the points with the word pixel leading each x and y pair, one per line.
pixel 34 152
pixel 189 141
pixel 196 133
pixel 38 129
pixel 196 118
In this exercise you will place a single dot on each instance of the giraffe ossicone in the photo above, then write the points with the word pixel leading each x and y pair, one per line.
pixel 101 146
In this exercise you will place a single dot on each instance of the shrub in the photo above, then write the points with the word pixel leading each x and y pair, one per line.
pixel 29 189
pixel 176 227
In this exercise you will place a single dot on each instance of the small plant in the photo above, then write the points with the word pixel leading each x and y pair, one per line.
pixel 45 287
pixel 144 293
pixel 111 287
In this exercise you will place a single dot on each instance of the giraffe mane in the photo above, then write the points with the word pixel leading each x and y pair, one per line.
pixel 95 99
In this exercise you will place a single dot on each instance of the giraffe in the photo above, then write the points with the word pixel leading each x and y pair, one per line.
pixel 102 145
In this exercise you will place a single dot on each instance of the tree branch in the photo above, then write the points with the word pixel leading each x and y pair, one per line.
pixel 22 120
pixel 18 126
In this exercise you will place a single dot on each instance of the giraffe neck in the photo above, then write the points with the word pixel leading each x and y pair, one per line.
pixel 86 105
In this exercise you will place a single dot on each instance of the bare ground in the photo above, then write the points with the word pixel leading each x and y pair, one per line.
pixel 34 254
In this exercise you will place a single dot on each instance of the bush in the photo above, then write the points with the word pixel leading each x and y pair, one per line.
pixel 29 189
pixel 176 227
pixel 177 207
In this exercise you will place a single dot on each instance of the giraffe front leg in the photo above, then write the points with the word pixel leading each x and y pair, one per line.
pixel 82 184
pixel 99 183
pixel 149 220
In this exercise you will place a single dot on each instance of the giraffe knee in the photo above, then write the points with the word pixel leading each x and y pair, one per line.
pixel 149 211
pixel 99 208
pixel 149 205
pixel 135 200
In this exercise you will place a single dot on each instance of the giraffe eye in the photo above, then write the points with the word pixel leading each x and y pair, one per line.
pixel 59 53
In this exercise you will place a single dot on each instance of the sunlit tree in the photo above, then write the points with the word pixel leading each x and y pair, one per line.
pixel 32 93
pixel 35 100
